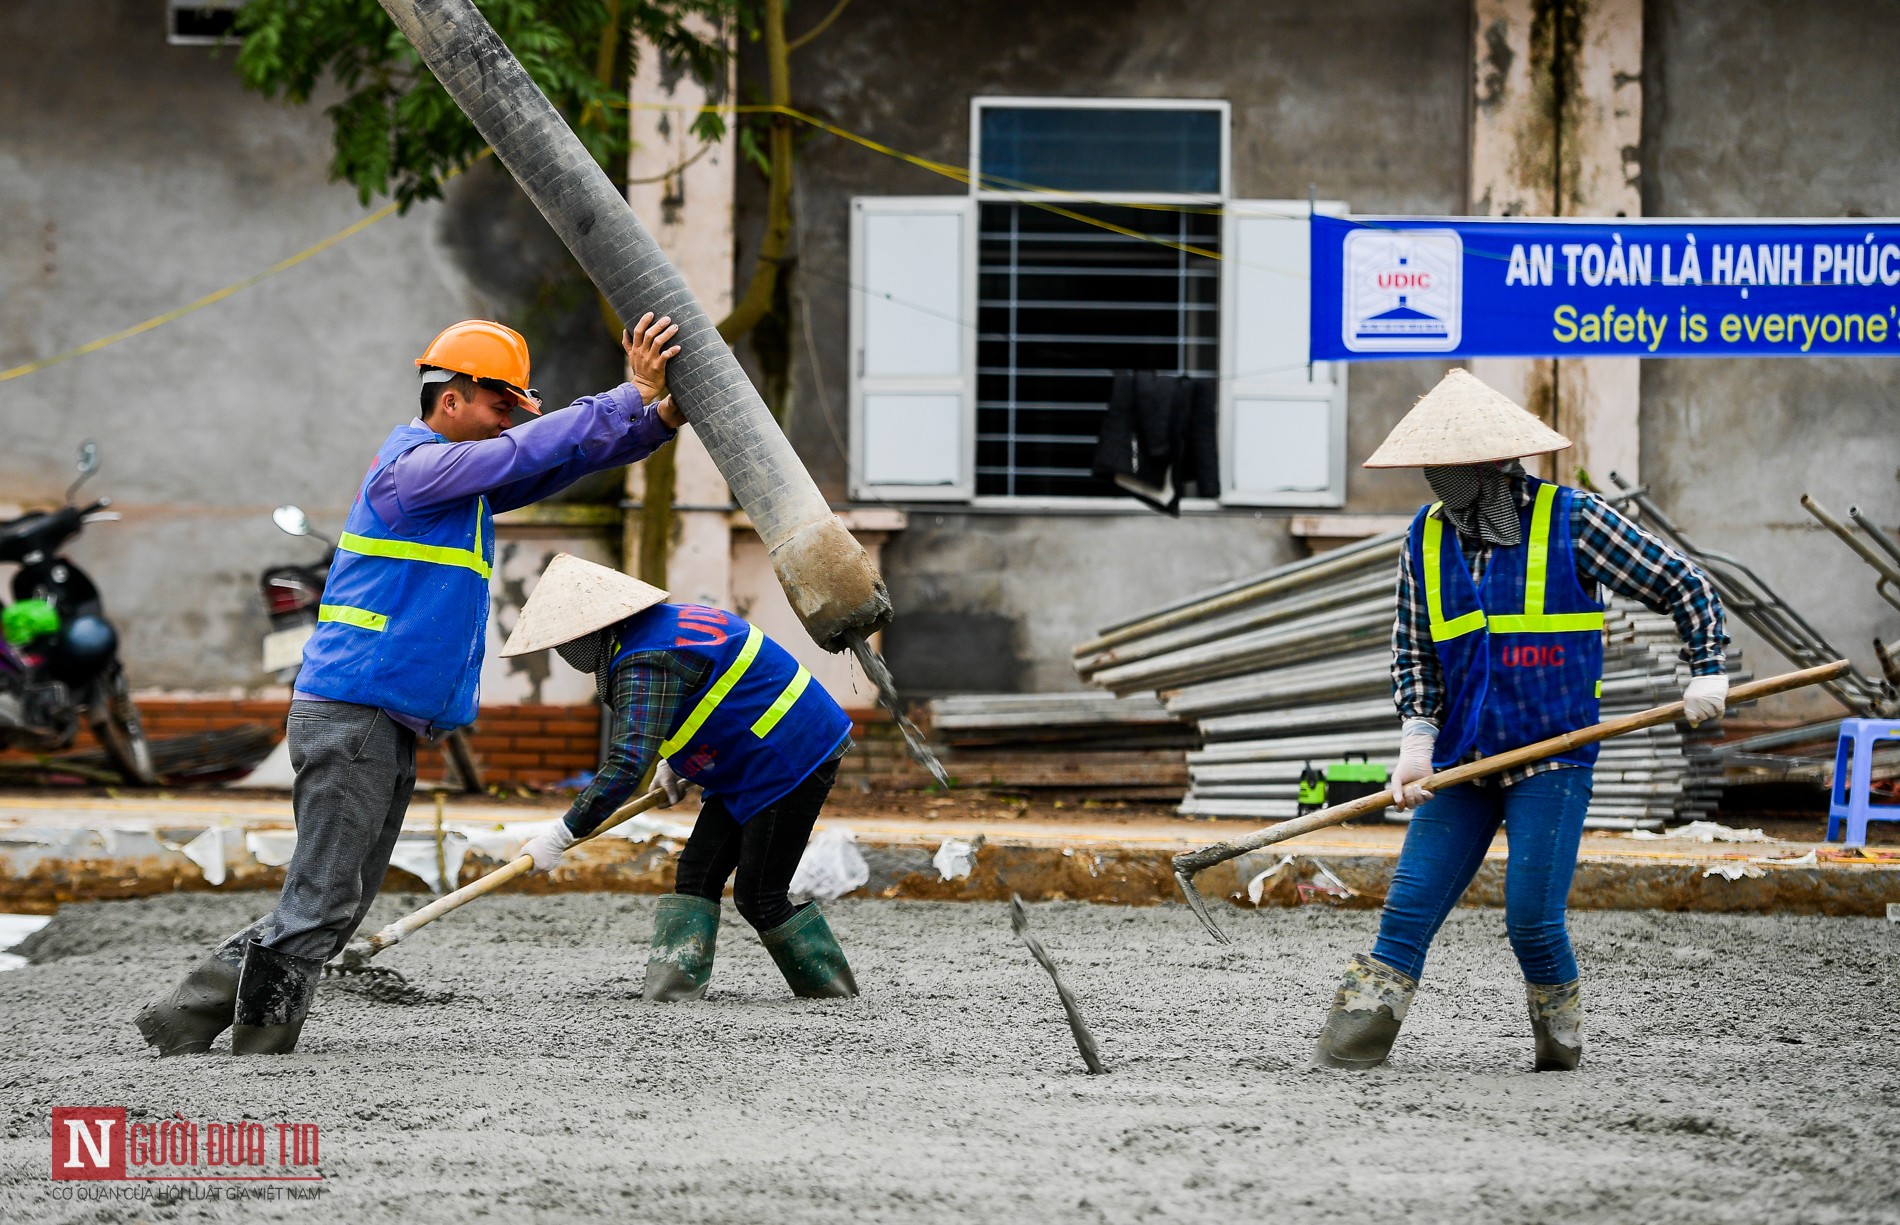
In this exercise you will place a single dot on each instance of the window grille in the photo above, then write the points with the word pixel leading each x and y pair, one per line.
pixel 1062 305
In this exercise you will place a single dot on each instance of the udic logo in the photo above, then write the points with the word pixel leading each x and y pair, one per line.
pixel 1403 291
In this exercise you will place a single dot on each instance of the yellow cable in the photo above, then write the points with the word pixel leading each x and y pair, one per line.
pixel 217 296
pixel 348 231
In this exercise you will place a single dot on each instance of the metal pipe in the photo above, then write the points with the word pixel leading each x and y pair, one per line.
pixel 1882 565
pixel 1341 561
pixel 1879 533
pixel 1329 596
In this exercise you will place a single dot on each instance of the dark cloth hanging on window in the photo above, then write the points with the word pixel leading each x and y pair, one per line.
pixel 1159 438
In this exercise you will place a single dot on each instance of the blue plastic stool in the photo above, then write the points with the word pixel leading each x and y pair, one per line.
pixel 1850 804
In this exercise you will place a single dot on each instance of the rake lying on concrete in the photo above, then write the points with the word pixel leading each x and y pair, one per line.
pixel 355 957
pixel 1190 863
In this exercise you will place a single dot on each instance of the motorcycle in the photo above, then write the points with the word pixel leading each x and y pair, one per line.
pixel 59 655
pixel 293 594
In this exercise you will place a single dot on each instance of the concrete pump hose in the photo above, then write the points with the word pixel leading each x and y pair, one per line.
pixel 825 572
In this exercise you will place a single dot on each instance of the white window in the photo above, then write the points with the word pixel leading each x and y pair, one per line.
pixel 1099 237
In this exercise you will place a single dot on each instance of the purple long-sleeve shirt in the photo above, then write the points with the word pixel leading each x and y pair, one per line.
pixel 522 466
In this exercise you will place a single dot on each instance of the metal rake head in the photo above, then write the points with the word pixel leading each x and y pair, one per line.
pixel 355 959
pixel 1184 877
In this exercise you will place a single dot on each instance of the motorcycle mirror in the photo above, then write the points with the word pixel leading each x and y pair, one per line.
pixel 88 464
pixel 291 520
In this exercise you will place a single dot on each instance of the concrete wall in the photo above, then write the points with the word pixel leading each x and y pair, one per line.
pixel 136 177
pixel 1364 99
pixel 1761 108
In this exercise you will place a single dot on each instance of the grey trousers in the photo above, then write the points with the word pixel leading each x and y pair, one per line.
pixel 355 771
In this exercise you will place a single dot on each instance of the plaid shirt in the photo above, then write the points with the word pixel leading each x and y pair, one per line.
pixel 1611 552
pixel 649 689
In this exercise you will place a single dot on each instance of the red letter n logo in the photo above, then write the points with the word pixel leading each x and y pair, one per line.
pixel 88 1142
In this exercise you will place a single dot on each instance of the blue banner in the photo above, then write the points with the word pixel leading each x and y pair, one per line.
pixel 1457 287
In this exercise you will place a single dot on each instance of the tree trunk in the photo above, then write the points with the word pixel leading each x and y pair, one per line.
pixel 826 573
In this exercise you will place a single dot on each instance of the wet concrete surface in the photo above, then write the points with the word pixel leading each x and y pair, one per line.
pixel 1737 1068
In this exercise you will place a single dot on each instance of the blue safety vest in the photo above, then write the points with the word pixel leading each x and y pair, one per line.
pixel 758 727
pixel 1522 656
pixel 403 617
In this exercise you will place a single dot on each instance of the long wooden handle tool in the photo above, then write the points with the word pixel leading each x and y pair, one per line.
pixel 1190 863
pixel 355 958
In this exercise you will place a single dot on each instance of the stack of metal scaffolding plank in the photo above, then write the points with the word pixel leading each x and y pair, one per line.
pixel 1292 668
pixel 1088 744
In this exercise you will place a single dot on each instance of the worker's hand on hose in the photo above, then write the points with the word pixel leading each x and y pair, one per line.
pixel 647 355
pixel 1705 697
pixel 1415 764
pixel 549 847
pixel 670 415
pixel 675 787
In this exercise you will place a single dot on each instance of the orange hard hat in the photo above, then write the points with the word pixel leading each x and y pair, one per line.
pixel 490 353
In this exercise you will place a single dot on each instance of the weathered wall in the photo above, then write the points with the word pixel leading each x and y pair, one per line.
pixel 1761 108
pixel 136 177
pixel 1363 99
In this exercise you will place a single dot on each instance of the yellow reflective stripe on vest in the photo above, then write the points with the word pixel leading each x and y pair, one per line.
pixel 434 554
pixel 1533 620
pixel 361 618
pixel 1537 577
pixel 776 711
pixel 1442 630
pixel 717 694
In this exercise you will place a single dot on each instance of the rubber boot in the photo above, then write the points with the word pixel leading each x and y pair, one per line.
pixel 809 957
pixel 197 1010
pixel 1367 1011
pixel 273 998
pixel 1557 1023
pixel 685 929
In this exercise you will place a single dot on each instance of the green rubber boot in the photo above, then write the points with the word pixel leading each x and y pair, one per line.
pixel 274 995
pixel 197 1010
pixel 809 957
pixel 681 963
pixel 1557 1024
pixel 1368 1009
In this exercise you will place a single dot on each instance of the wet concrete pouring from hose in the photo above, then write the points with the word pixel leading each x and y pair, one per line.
pixel 880 675
pixel 1737 1069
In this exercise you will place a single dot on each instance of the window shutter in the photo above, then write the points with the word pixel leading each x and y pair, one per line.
pixel 913 346
pixel 1283 420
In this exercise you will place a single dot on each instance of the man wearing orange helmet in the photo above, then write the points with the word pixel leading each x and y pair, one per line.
pixel 397 652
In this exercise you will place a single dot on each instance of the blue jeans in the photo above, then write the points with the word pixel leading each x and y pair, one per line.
pixel 1543 823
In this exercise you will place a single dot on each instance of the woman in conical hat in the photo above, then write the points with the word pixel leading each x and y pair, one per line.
pixel 719 705
pixel 1498 644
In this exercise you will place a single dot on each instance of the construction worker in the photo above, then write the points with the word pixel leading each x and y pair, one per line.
pixel 397 652
pixel 718 704
pixel 1499 644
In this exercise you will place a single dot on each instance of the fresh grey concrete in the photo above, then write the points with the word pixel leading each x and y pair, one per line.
pixel 1735 1069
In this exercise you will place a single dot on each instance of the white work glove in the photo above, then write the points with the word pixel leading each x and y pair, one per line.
pixel 675 787
pixel 1705 697
pixel 1415 763
pixel 550 846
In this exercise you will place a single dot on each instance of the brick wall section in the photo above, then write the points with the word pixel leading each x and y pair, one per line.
pixel 532 746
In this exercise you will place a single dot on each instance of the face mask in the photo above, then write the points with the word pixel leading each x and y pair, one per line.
pixel 593 654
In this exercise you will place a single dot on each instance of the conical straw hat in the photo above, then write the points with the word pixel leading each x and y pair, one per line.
pixel 576 597
pixel 1462 421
